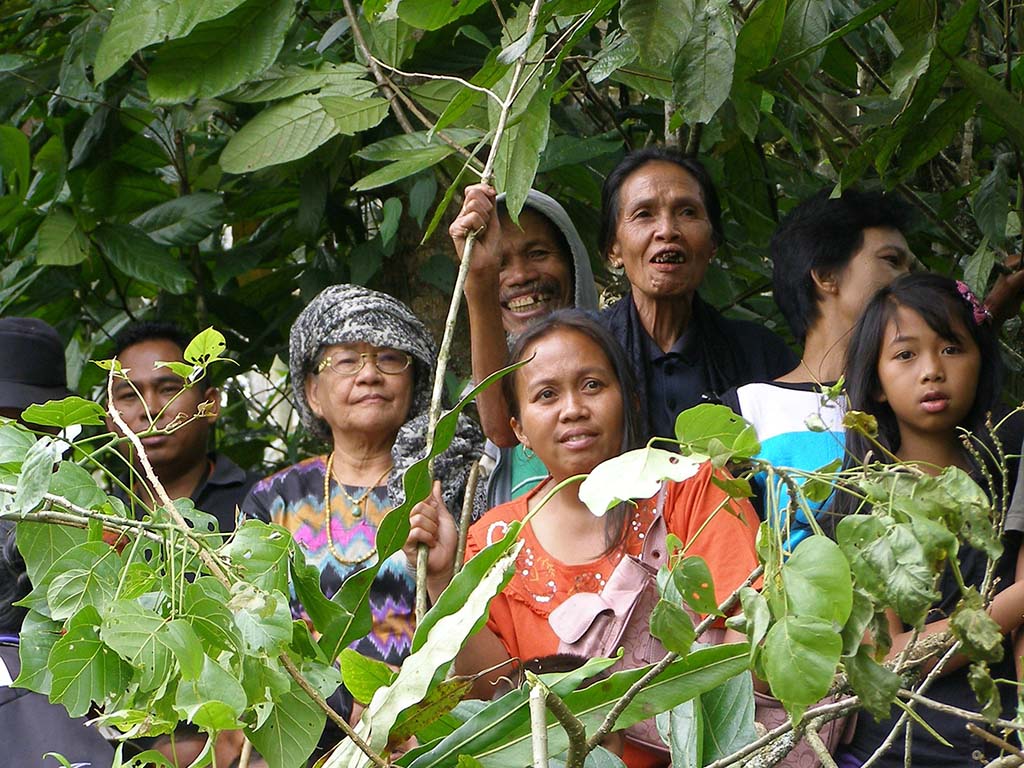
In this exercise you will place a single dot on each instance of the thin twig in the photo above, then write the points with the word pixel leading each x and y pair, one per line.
pixel 966 714
pixel 426 76
pixel 991 738
pixel 813 739
pixel 453 309
pixel 357 35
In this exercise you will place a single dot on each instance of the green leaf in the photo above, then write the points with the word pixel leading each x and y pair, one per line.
pixel 757 614
pixel 637 474
pixel 728 717
pixel 391 215
pixel 755 45
pixel 140 23
pixel 85 670
pixel 260 552
pixel 978 267
pixel 77 486
pixel 115 189
pixel 281 133
pixel 978 632
pixel 214 700
pixel 42 544
pixel 438 702
pixel 402 169
pixel 263 618
pixel 15 443
pixel 35 641
pixel 34 479
pixel 15 160
pixel 682 728
pixel 183 221
pixel 692 578
pixel 1002 106
pixel 697 428
pixel 702 70
pixel 353 116
pixel 64 413
pixel 86 575
pixel 806 23
pixel 501 732
pixel 409 145
pixel 985 691
pixel 282 81
pixel 430 15
pixel 817 581
pixel 991 204
pixel 671 624
pixel 62 242
pixel 911 581
pixel 874 684
pixel 132 252
pixel 134 632
pixel 863 540
pixel 363 676
pixel 220 54
pixel 206 347
pixel 327 616
pixel 515 164
pixel 658 28
pixel 291 730
pixel 800 658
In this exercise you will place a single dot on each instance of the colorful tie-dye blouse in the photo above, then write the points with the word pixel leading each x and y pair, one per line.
pixel 294 498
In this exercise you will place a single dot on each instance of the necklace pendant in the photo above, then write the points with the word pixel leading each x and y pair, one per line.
pixel 357 510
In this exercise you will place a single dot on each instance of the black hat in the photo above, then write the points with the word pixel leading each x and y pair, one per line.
pixel 32 366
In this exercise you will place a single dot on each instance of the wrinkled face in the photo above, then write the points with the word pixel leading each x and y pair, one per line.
pixel 928 381
pixel 883 256
pixel 570 403
pixel 536 277
pixel 663 237
pixel 159 390
pixel 369 403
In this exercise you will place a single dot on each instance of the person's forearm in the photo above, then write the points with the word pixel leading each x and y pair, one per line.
pixel 489 354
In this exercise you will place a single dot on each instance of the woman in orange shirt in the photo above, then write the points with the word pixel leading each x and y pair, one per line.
pixel 572 404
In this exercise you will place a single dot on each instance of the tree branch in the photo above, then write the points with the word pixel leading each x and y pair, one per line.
pixel 453 310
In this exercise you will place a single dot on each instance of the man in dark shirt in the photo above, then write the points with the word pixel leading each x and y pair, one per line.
pixel 152 398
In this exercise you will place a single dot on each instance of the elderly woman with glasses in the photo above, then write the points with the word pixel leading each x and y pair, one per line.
pixel 362 367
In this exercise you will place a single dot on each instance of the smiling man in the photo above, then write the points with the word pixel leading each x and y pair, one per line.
pixel 517 274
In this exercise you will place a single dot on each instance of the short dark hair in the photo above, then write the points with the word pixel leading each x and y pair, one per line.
pixel 581 322
pixel 635 160
pixel 14 583
pixel 821 235
pixel 939 303
pixel 152 330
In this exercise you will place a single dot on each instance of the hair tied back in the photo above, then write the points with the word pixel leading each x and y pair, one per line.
pixel 981 312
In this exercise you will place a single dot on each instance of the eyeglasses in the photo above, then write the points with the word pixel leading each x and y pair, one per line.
pixel 390 361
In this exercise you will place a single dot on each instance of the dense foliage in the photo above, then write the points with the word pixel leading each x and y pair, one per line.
pixel 219 161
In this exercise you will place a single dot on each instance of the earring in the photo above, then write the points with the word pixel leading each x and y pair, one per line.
pixel 529 454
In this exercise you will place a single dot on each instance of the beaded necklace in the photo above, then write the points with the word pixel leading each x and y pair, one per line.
pixel 357 507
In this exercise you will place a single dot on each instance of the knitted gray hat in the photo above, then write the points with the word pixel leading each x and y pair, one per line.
pixel 345 314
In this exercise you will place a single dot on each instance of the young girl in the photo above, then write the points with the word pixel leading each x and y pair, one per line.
pixel 923 361
pixel 573 405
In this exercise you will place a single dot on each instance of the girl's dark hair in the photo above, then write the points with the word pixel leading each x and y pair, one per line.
pixel 14 583
pixel 581 322
pixel 936 299
pixel 610 202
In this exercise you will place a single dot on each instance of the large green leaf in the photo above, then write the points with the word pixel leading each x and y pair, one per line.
pixel 363 675
pixel 83 576
pixel 263 618
pixel 85 669
pixel 499 735
pixel 221 54
pixel 659 27
pixel 291 730
pixel 34 479
pixel 806 23
pixel 42 544
pixel 140 637
pixel 874 684
pixel 77 486
pixel 62 242
pixel 728 717
pixel 402 169
pixel 637 474
pixel 15 442
pixel 818 582
pixel 715 431
pixel 64 413
pixel 702 70
pixel 35 641
pixel 355 115
pixel 282 81
pixel 15 160
pixel 260 553
pixel 280 133
pixel 213 700
pixel 409 145
pixel 139 23
pixel 515 165
pixel 184 220
pixel 132 252
pixel 800 657
pixel 204 607
pixel 115 189
pixel 1003 107
pixel 991 205
pixel 430 14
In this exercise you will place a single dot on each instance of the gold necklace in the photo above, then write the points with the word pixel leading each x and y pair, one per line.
pixel 358 511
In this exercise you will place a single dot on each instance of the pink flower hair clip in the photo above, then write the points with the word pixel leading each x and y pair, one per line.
pixel 981 312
